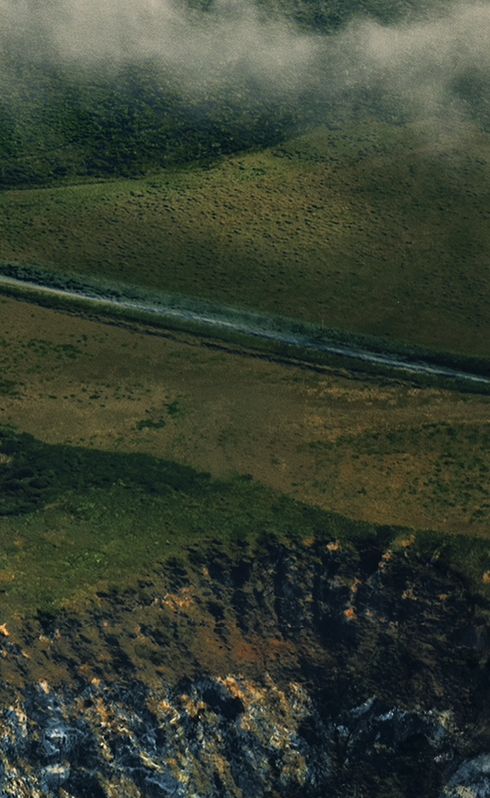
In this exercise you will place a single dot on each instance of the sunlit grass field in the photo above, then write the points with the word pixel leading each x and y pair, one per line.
pixel 369 229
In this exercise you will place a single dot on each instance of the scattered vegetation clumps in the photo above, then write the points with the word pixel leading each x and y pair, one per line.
pixel 150 423
pixel 8 387
pixel 337 242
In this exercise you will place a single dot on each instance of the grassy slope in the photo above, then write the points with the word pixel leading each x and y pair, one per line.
pixel 103 536
pixel 59 121
pixel 366 229
pixel 89 517
pixel 96 499
pixel 59 124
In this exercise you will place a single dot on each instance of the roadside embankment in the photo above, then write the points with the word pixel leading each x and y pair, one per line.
pixel 276 336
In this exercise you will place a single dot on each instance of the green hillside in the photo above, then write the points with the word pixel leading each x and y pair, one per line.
pixel 363 229
pixel 71 119
pixel 357 202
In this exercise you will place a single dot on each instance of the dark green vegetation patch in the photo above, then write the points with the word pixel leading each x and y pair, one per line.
pixel 35 473
pixel 73 518
pixel 103 127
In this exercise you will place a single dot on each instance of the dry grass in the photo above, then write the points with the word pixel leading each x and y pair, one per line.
pixel 378 451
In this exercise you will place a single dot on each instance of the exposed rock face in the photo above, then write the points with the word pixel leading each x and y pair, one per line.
pixel 307 671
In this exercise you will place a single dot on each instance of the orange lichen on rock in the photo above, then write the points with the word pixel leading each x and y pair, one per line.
pixel 103 712
pixel 486 578
pixel 309 542
pixel 163 708
pixel 350 614
pixel 178 601
pixel 192 707
pixel 385 559
pixel 243 689
pixel 4 631
pixel 405 544
pixel 334 546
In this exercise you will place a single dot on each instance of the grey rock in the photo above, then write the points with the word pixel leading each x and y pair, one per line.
pixel 471 780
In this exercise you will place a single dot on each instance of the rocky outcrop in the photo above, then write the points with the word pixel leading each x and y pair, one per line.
pixel 303 670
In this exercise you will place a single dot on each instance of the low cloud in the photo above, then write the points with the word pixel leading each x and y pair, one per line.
pixel 435 68
pixel 438 68
pixel 230 42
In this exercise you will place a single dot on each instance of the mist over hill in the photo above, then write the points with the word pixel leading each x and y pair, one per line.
pixel 95 89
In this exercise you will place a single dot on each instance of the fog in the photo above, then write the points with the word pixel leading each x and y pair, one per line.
pixel 436 67
pixel 231 42
pixel 439 69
